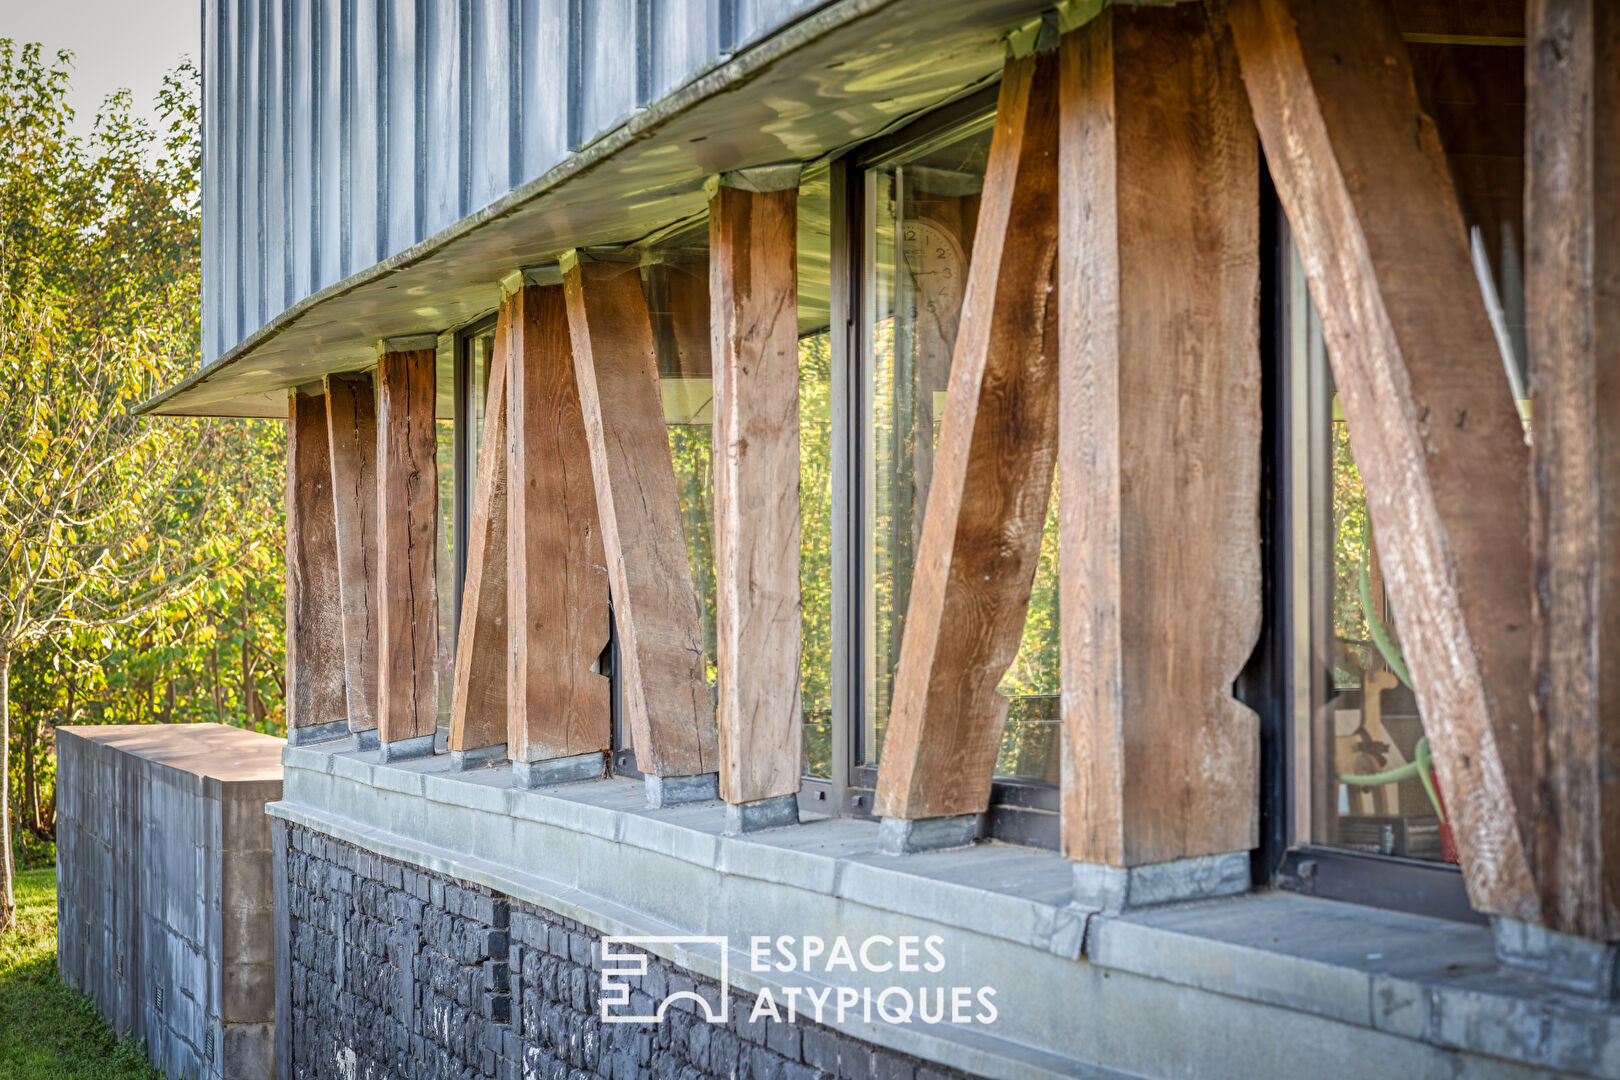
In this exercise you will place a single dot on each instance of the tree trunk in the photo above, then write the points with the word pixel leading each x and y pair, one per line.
pixel 31 728
pixel 8 903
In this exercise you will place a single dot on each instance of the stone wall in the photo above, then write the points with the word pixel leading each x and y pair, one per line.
pixel 395 971
pixel 164 889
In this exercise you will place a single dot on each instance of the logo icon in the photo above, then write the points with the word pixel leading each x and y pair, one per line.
pixel 620 964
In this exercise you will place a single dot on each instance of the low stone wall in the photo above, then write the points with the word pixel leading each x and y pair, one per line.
pixel 396 971
pixel 164 889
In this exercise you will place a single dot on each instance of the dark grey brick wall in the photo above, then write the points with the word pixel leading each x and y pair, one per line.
pixel 400 973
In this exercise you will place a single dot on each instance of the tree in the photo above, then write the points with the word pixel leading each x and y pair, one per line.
pixel 108 523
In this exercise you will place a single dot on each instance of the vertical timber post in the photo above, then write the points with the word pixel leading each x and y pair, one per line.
pixel 351 425
pixel 1159 465
pixel 407 528
pixel 317 709
pixel 754 330
pixel 1572 285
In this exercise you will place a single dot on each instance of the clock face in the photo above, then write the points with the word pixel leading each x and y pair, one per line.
pixel 935 278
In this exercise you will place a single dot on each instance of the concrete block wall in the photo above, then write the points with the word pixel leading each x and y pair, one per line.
pixel 394 971
pixel 164 889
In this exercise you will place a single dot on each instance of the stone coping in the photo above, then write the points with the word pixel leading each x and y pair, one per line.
pixel 214 751
pixel 1429 981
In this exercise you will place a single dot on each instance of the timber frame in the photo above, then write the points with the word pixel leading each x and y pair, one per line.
pixel 1096 339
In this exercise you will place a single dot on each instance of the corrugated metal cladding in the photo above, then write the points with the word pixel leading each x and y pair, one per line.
pixel 340 132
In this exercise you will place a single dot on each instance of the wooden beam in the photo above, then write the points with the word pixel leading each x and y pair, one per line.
pixel 407 525
pixel 478 694
pixel 666 698
pixel 753 286
pixel 351 427
pixel 1159 462
pixel 1572 286
pixel 1437 438
pixel 315 696
pixel 992 477
pixel 558 582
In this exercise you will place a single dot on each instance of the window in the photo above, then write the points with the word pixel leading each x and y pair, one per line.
pixel 1355 750
pixel 884 245
pixel 922 206
pixel 449 546
pixel 675 280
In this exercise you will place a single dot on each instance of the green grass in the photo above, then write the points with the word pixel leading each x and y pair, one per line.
pixel 49 1031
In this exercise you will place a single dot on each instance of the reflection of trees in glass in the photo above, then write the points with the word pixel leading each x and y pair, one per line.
pixel 1352 652
pixel 444 569
pixel 691 454
pixel 690 451
pixel 815 549
pixel 1030 740
pixel 891 532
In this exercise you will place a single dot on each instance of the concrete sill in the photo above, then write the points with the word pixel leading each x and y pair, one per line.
pixel 1318 976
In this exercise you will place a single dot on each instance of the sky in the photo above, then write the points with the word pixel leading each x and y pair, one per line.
pixel 116 43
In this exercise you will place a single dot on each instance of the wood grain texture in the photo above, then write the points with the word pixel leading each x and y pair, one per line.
pixel 1572 286
pixel 1159 462
pixel 478 693
pixel 667 702
pixel 315 682
pixel 351 428
pixel 407 528
pixel 558 582
pixel 992 479
pixel 754 326
pixel 1437 439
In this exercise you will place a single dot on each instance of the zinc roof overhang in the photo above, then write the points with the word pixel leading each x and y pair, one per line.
pixel 841 75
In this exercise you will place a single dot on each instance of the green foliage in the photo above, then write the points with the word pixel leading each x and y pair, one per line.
pixel 140 560
pixel 48 1030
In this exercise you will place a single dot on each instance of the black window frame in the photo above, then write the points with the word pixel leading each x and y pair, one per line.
pixel 1283 860
pixel 1021 811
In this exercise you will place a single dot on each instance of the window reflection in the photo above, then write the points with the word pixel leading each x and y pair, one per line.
pixel 675 279
pixel 1371 785
pixel 921 214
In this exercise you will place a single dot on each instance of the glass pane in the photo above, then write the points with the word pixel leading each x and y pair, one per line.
pixel 815 550
pixel 1371 786
pixel 676 282
pixel 921 215
pixel 445 554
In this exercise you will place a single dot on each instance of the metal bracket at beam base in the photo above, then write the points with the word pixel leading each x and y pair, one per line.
pixel 903 836
pixel 1589 968
pixel 478 758
pixel 317 733
pixel 774 813
pixel 406 749
pixel 674 790
pixel 366 740
pixel 1125 888
pixel 574 769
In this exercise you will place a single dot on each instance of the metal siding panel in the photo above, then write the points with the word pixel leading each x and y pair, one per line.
pixel 607 83
pixel 253 169
pixel 339 132
pixel 544 64
pixel 302 196
pixel 231 152
pixel 274 197
pixel 213 336
pixel 758 19
pixel 441 156
pixel 329 137
pixel 683 38
pixel 402 94
pixel 365 122
pixel 490 74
